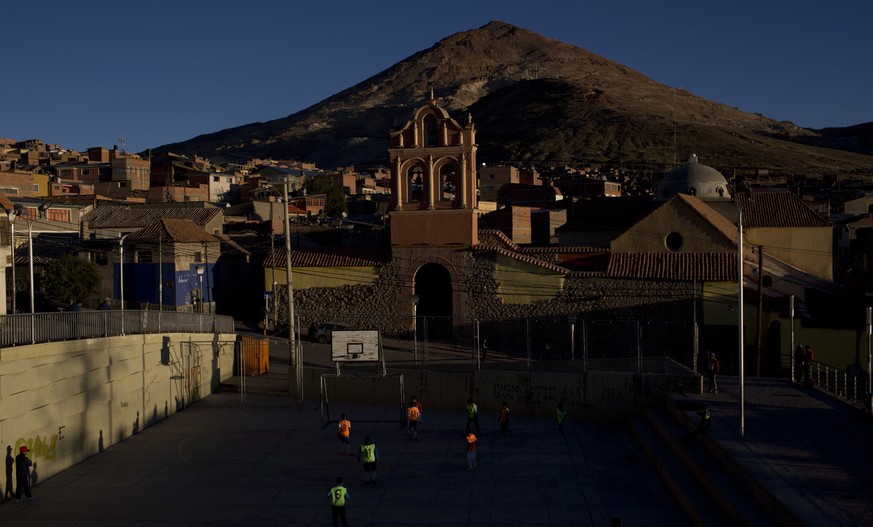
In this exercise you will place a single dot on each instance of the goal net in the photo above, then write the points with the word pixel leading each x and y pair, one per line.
pixel 375 398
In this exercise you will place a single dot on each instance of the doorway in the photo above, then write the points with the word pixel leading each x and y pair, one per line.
pixel 433 285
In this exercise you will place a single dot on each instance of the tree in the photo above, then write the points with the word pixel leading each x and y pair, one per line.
pixel 70 278
pixel 334 195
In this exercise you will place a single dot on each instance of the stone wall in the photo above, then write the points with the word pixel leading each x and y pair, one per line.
pixel 386 304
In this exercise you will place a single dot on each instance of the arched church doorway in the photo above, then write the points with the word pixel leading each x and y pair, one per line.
pixel 433 285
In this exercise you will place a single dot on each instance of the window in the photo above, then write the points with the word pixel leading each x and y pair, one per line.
pixel 8 190
pixel 430 131
pixel 198 257
pixel 673 241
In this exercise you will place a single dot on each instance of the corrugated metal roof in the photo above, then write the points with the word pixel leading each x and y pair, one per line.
pixel 711 267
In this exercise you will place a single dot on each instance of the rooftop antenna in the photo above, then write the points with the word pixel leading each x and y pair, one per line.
pixel 122 141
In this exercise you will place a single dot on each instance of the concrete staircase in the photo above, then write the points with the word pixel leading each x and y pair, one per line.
pixel 698 474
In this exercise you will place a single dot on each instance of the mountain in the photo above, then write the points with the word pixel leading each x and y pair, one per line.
pixel 539 101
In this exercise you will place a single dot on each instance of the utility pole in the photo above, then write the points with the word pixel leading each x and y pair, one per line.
pixel 760 323
pixel 295 369
pixel 741 318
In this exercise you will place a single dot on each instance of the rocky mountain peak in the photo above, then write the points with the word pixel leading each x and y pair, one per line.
pixel 534 100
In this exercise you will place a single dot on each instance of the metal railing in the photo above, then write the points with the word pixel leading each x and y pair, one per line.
pixel 840 383
pixel 71 325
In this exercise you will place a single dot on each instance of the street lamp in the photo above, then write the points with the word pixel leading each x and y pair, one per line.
pixel 791 315
pixel 121 276
pixel 11 216
pixel 200 270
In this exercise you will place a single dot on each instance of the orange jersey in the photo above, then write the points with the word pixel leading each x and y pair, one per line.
pixel 345 427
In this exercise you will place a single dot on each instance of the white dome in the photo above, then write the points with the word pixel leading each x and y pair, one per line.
pixel 694 179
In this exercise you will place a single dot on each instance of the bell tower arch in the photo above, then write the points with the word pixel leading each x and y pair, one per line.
pixel 433 180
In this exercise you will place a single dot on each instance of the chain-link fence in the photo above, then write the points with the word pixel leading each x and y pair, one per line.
pixel 536 343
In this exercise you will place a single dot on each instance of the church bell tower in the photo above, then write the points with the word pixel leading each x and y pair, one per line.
pixel 433 180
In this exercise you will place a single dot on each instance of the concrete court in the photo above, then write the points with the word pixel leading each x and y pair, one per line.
pixel 269 463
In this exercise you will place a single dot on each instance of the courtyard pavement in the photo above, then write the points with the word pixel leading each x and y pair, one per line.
pixel 262 460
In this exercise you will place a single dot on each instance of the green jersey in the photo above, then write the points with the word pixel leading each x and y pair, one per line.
pixel 338 496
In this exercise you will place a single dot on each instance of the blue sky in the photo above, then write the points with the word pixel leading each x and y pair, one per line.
pixel 86 73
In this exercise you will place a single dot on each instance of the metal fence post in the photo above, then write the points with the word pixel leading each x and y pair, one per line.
pixel 477 348
pixel 527 340
pixel 639 348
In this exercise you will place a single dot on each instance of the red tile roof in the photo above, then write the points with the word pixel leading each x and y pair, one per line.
pixel 182 231
pixel 710 267
pixel 777 208
pixel 132 216
pixel 330 257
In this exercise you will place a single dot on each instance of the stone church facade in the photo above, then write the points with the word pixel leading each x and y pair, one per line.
pixel 467 281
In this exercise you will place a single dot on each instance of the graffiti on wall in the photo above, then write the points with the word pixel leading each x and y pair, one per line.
pixel 41 447
pixel 536 393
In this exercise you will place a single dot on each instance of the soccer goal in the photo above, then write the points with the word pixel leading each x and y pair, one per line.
pixel 383 395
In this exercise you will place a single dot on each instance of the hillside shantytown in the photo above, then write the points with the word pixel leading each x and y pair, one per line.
pixel 464 240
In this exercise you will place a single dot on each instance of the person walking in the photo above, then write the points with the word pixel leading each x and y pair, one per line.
pixel 22 473
pixel 808 359
pixel 343 431
pixel 417 403
pixel 503 419
pixel 338 496
pixel 472 416
pixel 368 455
pixel 471 451
pixel 712 369
pixel 703 424
pixel 412 416
pixel 560 416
